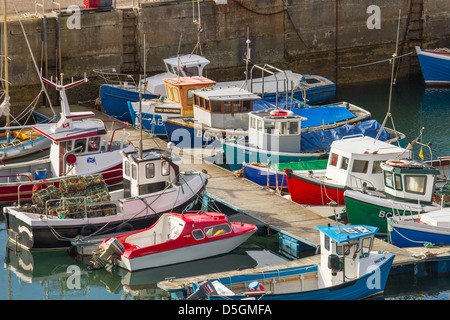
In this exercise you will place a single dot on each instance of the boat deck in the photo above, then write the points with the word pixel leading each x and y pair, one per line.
pixel 275 211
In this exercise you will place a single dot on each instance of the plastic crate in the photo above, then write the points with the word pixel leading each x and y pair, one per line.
pixel 92 3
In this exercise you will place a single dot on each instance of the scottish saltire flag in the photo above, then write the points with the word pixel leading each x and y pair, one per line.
pixel 90 160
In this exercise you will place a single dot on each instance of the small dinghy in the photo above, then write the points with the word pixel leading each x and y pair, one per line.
pixel 174 238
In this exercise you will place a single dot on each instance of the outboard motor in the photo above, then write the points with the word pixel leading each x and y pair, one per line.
pixel 334 263
pixel 203 292
pixel 113 249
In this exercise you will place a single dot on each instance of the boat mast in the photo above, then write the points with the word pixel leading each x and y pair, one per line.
pixel 5 41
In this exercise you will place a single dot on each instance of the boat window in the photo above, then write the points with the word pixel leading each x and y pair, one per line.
pixel 171 69
pixel 198 234
pixel 282 127
pixel 94 144
pixel 169 93
pixel 388 179
pixel 236 106
pixel 247 105
pixel 126 168
pixel 269 126
pixel 338 250
pixel 415 184
pixel 190 97
pixel 165 168
pixel 196 100
pixel 327 243
pixel 366 246
pixel 398 182
pixel 293 127
pixel 333 159
pixel 377 167
pixel 259 124
pixel 80 143
pixel 176 95
pixel 191 72
pixel 252 123
pixel 218 230
pixel 133 171
pixel 360 166
pixel 216 106
pixel 227 106
pixel 344 163
pixel 149 170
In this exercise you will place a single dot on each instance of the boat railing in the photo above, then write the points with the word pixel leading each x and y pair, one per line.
pixel 124 133
pixel 268 69
pixel 360 183
pixel 111 76
pixel 15 176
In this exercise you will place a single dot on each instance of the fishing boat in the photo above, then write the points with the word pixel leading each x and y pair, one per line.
pixel 354 161
pixel 273 176
pixel 408 190
pixel 300 134
pixel 82 207
pixel 174 238
pixel 428 229
pixel 80 146
pixel 348 270
pixel 120 89
pixel 153 114
pixel 435 65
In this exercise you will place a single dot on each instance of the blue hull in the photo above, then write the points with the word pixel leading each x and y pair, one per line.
pixel 261 175
pixel 435 70
pixel 153 123
pixel 405 237
pixel 237 154
pixel 186 137
pixel 115 101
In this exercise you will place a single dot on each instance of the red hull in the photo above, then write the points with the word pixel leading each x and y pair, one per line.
pixel 9 194
pixel 309 192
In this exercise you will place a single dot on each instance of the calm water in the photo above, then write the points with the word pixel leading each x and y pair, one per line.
pixel 54 275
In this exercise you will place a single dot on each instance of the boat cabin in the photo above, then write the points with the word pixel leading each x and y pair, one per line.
pixel 190 65
pixel 355 161
pixel 276 130
pixel 154 172
pixel 343 250
pixel 223 107
pixel 409 180
pixel 180 91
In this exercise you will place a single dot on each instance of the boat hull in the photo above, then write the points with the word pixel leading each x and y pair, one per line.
pixel 184 254
pixel 374 211
pixel 308 191
pixel 115 101
pixel 435 67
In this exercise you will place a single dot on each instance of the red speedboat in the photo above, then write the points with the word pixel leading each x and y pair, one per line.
pixel 174 238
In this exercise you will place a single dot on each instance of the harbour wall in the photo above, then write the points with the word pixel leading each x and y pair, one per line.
pixel 327 37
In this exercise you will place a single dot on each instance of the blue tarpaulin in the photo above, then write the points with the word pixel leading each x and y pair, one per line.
pixel 321 140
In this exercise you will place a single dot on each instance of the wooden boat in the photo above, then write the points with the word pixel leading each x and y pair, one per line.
pixel 82 207
pixel 427 229
pixel 120 89
pixel 435 65
pixel 80 146
pixel 408 190
pixel 174 238
pixel 348 269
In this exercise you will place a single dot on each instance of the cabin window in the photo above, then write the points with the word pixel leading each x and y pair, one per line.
pixel 282 127
pixel 190 97
pixel 216 106
pixel 259 124
pixel 366 246
pixel 247 105
pixel 80 143
pixel 133 171
pixel 227 106
pixel 196 102
pixel 252 123
pixel 127 168
pixel 165 168
pixel 344 163
pixel 218 230
pixel 176 95
pixel 94 144
pixel 377 167
pixel 169 93
pixel 198 234
pixel 171 69
pixel 293 127
pixel 191 72
pixel 149 170
pixel 327 243
pixel 360 166
pixel 269 126
pixel 333 159
pixel 398 182
pixel 388 179
pixel 236 106
pixel 415 184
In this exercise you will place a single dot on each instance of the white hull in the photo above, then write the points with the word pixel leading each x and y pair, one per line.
pixel 184 254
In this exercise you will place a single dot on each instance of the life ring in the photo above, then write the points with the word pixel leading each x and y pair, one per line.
pixel 39 186
pixel 397 163
pixel 281 113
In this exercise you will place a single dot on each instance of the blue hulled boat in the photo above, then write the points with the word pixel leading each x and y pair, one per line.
pixel 348 269
pixel 435 65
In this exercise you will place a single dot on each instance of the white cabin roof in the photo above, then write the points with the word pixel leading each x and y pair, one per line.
pixel 187 60
pixel 364 145
pixel 226 93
